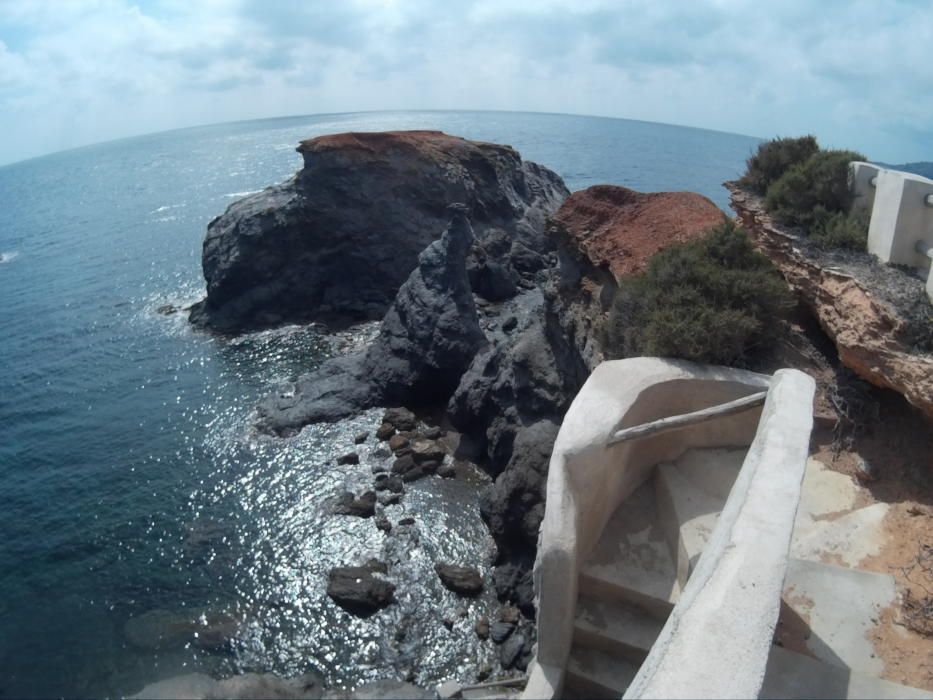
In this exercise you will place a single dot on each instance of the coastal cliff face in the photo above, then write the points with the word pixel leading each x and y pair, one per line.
pixel 872 312
pixel 336 241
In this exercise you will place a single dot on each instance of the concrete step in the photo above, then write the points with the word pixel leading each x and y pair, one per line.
pixel 631 563
pixel 792 675
pixel 829 525
pixel 595 674
pixel 834 609
pixel 713 469
pixel 688 515
pixel 615 628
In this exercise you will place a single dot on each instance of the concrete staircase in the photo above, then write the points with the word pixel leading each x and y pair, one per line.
pixel 651 546
pixel 634 576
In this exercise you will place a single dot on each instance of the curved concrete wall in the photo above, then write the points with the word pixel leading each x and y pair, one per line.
pixel 588 480
pixel 716 641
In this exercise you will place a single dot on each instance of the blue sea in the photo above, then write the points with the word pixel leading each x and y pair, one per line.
pixel 145 530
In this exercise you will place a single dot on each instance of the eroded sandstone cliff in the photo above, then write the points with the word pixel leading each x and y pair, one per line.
pixel 875 314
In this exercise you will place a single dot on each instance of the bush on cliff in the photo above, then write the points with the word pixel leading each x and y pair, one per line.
pixel 774 158
pixel 848 231
pixel 808 191
pixel 715 300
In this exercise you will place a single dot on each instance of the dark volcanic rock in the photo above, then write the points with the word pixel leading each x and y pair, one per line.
pixel 401 419
pixel 349 458
pixel 428 338
pixel 513 505
pixel 363 506
pixel 339 238
pixel 361 438
pixel 432 433
pixel 357 590
pixel 398 442
pixel 499 631
pixel 385 431
pixel 460 579
pixel 514 583
pixel 387 482
pixel 511 650
pixel 427 451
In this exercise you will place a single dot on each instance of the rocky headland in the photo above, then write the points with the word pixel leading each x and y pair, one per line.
pixel 337 240
pixel 492 283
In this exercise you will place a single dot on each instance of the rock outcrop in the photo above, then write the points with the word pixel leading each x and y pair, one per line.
pixel 606 232
pixel 620 229
pixel 428 338
pixel 870 311
pixel 338 239
pixel 358 590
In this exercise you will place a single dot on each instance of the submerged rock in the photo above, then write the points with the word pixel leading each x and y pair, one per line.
pixel 357 589
pixel 362 506
pixel 249 685
pixel 341 236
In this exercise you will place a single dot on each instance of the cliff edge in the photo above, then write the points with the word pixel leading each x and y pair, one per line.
pixel 877 316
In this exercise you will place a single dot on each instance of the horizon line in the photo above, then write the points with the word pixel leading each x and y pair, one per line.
pixel 232 122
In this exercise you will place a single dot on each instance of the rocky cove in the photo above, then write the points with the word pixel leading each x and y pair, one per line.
pixel 491 281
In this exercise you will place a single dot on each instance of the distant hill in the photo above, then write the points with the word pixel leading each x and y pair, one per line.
pixel 924 169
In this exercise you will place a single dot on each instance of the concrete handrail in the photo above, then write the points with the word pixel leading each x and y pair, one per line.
pixel 717 639
pixel 589 478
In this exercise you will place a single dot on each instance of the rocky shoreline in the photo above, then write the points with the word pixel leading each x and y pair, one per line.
pixel 493 296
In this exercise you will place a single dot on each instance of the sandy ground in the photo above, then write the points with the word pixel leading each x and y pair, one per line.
pixel 899 450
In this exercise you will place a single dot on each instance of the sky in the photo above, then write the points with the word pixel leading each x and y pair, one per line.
pixel 857 74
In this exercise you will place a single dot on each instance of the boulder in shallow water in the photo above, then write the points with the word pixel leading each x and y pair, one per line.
pixel 362 506
pixel 357 590
pixel 464 580
pixel 427 451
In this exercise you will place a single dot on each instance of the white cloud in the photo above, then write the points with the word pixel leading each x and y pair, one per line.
pixel 855 73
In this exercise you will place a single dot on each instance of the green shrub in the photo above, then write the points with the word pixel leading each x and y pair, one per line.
pixel 809 190
pixel 848 231
pixel 712 300
pixel 774 158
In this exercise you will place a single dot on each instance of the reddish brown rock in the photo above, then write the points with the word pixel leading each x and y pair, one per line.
pixel 620 229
